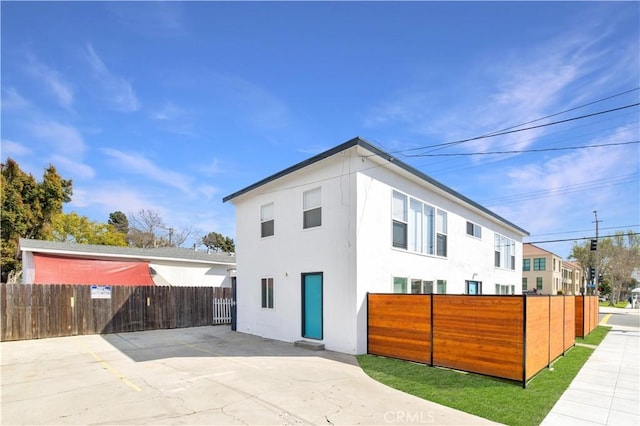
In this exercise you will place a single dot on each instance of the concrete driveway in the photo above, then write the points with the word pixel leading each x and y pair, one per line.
pixel 204 375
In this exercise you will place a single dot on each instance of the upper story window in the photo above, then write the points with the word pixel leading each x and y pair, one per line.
pixel 526 264
pixel 474 230
pixel 540 264
pixel 505 252
pixel 267 227
pixel 399 214
pixel 311 208
pixel 441 249
pixel 417 227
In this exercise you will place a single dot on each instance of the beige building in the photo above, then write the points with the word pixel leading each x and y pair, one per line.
pixel 541 270
pixel 571 277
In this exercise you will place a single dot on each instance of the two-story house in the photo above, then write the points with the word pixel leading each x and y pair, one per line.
pixel 313 239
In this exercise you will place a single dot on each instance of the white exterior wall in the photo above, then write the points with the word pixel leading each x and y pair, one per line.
pixel 352 248
pixel 291 251
pixel 192 274
pixel 468 258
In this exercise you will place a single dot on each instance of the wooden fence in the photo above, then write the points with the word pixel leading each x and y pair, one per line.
pixel 586 315
pixel 512 337
pixel 40 311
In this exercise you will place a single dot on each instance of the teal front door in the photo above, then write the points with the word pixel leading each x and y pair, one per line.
pixel 312 305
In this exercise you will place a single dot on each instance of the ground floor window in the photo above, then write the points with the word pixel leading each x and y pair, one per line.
pixel 539 283
pixel 417 285
pixel 399 285
pixel 442 286
pixel 508 289
pixel 524 284
pixel 267 293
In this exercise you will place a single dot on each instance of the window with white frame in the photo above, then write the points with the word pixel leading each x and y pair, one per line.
pixel 442 286
pixel 311 208
pixel 474 230
pixel 266 220
pixel 399 285
pixel 414 226
pixel 419 286
pixel 267 293
pixel 441 245
pixel 505 289
pixel 399 216
pixel 505 252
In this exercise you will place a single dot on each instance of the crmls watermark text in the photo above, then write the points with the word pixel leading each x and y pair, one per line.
pixel 409 417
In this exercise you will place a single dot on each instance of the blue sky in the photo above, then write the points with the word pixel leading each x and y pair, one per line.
pixel 172 106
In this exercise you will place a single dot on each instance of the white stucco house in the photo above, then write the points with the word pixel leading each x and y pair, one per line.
pixel 313 239
pixel 51 262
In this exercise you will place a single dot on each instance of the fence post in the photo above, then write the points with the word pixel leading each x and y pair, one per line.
pixel 524 341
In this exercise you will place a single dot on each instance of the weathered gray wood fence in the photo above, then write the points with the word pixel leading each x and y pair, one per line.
pixel 40 311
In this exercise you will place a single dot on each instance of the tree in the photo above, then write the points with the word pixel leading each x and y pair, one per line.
pixel 618 256
pixel 622 258
pixel 27 208
pixel 147 229
pixel 79 229
pixel 119 221
pixel 218 242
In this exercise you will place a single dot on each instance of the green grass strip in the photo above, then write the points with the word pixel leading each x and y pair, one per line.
pixel 495 399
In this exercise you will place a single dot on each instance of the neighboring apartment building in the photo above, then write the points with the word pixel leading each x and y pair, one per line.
pixel 541 270
pixel 571 277
pixel 313 239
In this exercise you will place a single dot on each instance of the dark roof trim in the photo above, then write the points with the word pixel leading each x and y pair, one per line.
pixel 377 151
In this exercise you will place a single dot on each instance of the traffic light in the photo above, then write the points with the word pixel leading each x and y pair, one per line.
pixel 594 244
pixel 600 279
pixel 592 273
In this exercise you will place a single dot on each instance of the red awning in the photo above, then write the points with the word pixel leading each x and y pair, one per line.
pixel 52 269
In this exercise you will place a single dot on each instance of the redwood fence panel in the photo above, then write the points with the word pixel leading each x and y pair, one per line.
pixel 512 337
pixel 399 326
pixel 586 315
pixel 569 322
pixel 40 311
pixel 482 334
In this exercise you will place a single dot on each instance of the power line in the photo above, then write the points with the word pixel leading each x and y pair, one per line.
pixel 521 151
pixel 583 230
pixel 577 187
pixel 583 238
pixel 501 133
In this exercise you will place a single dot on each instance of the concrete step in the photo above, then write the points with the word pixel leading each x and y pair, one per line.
pixel 314 346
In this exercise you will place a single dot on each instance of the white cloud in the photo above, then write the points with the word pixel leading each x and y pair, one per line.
pixel 155 19
pixel 76 168
pixel 577 181
pixel 138 164
pixel 53 81
pixel 61 138
pixel 118 91
pixel 509 88
pixel 11 99
pixel 112 197
pixel 11 148
pixel 257 105
pixel 174 119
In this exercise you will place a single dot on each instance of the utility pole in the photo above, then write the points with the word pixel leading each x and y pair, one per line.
pixel 597 257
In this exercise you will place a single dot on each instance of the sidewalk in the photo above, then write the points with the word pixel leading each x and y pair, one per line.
pixel 606 391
